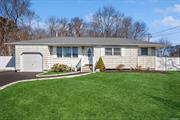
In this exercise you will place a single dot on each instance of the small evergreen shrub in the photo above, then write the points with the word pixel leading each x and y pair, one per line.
pixel 100 65
pixel 60 68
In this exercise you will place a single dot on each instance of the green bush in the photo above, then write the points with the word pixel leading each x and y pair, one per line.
pixel 60 68
pixel 100 65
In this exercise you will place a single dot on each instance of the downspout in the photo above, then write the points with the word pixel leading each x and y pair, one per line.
pixel 137 59
pixel 155 58
pixel 82 52
pixel 93 61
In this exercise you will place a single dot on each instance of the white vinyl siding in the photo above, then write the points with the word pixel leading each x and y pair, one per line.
pixel 72 61
pixel 42 49
pixel 128 56
pixel 152 52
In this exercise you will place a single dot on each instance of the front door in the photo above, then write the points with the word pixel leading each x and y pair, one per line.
pixel 88 56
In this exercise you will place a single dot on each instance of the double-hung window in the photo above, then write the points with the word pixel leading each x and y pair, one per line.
pixel 112 51
pixel 75 52
pixel 108 51
pixel 59 51
pixel 117 51
pixel 67 51
pixel 144 51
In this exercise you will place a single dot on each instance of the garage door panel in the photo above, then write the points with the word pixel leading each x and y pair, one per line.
pixel 31 62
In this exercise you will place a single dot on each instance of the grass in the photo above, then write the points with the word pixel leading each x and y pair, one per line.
pixel 52 72
pixel 99 96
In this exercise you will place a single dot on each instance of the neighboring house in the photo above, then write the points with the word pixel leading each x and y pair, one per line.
pixel 40 55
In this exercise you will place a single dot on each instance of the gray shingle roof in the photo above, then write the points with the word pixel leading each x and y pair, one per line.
pixel 87 41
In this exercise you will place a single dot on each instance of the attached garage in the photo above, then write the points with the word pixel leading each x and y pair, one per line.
pixel 31 62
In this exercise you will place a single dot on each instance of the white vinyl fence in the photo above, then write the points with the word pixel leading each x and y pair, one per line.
pixel 167 63
pixel 7 63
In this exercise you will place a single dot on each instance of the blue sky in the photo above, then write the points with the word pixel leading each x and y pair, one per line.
pixel 157 14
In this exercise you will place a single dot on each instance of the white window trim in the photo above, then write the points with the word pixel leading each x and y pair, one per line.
pixel 147 51
pixel 71 52
pixel 113 51
pixel 118 48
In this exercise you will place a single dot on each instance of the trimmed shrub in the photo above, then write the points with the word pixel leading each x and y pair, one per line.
pixel 60 68
pixel 100 65
pixel 120 67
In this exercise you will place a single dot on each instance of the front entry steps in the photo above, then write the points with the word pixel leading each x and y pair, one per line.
pixel 87 68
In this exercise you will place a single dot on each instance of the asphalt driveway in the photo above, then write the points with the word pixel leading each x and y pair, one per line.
pixel 9 76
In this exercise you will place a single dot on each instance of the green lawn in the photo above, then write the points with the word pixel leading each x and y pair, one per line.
pixel 100 96
pixel 51 73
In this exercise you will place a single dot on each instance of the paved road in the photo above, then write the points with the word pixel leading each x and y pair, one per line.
pixel 9 76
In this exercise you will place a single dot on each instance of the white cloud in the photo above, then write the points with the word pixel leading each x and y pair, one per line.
pixel 177 8
pixel 39 24
pixel 170 21
pixel 89 17
pixel 172 9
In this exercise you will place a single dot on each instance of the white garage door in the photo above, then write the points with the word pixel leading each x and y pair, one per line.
pixel 31 62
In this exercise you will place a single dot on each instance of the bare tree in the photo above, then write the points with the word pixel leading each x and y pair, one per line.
pixel 13 12
pixel 76 27
pixel 7 28
pixel 108 22
pixel 165 41
pixel 138 31
pixel 118 27
pixel 126 26
pixel 26 27
pixel 31 16
pixel 39 33
pixel 52 26
pixel 104 21
pixel 62 27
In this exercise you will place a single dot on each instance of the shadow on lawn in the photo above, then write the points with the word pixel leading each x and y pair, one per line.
pixel 168 103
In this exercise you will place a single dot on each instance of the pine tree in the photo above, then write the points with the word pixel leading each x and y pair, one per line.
pixel 100 65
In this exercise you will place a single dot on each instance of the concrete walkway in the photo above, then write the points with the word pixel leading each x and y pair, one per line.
pixel 35 79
